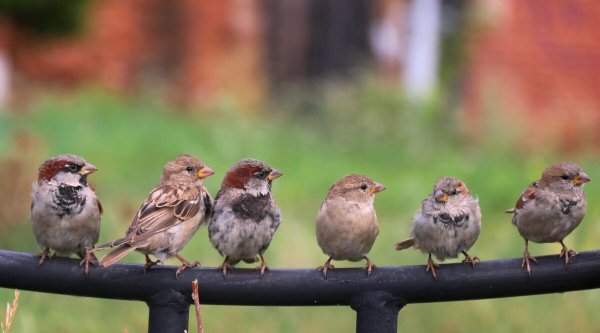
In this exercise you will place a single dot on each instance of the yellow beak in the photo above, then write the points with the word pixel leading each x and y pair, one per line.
pixel 441 197
pixel 274 174
pixel 376 188
pixel 582 178
pixel 87 169
pixel 205 172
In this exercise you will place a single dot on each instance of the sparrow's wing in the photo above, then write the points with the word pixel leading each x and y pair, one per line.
pixel 527 196
pixel 165 207
pixel 97 201
pixel 100 206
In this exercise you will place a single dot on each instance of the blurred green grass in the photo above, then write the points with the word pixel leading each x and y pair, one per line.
pixel 315 137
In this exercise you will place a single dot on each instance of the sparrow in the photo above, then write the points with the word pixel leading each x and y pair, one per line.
pixel 245 215
pixel 550 208
pixel 169 217
pixel 447 224
pixel 347 223
pixel 65 211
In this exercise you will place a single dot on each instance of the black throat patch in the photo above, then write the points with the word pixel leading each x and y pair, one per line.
pixel 251 207
pixel 67 200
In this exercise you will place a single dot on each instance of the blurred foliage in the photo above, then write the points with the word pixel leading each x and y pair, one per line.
pixel 315 136
pixel 45 17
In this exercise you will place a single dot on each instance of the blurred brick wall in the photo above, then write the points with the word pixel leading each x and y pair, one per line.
pixel 536 63
pixel 195 50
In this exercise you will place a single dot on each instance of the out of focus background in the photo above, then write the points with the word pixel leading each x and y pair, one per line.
pixel 490 91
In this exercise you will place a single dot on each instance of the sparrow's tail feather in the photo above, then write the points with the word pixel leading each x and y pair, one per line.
pixel 114 243
pixel 116 255
pixel 405 244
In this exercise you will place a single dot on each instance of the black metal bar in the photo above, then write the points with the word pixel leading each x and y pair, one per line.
pixel 489 279
pixel 169 312
pixel 376 312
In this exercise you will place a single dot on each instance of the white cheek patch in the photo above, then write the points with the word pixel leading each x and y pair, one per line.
pixel 257 187
pixel 71 179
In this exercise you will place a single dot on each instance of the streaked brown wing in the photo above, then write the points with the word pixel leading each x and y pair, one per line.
pixel 527 195
pixel 165 207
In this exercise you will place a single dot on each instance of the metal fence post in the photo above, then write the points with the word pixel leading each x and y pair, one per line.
pixel 376 312
pixel 169 312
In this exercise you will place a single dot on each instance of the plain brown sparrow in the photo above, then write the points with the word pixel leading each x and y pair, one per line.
pixel 347 222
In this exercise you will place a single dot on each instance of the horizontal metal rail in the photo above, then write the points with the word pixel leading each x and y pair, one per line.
pixel 383 294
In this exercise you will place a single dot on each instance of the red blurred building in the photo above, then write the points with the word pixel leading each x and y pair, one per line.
pixel 535 64
pixel 532 65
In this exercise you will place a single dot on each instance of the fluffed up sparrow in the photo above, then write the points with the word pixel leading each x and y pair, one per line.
pixel 245 216
pixel 169 216
pixel 347 223
pixel 447 224
pixel 65 212
pixel 550 208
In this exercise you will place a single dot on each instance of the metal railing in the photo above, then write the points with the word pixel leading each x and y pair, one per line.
pixel 376 300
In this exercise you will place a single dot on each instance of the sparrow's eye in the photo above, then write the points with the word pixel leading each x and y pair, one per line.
pixel 263 174
pixel 453 192
pixel 363 187
pixel 189 169
pixel 565 177
pixel 73 167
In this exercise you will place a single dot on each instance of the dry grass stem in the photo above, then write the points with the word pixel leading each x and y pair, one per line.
pixel 11 310
pixel 196 298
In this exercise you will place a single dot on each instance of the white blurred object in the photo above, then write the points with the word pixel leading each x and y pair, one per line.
pixel 4 79
pixel 420 74
pixel 388 35
pixel 388 38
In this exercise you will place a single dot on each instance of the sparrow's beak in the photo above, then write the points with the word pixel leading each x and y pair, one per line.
pixel 441 196
pixel 376 188
pixel 274 174
pixel 582 178
pixel 205 172
pixel 87 169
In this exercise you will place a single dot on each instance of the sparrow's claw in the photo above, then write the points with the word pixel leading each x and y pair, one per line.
pixel 149 263
pixel 185 265
pixel 470 260
pixel 369 266
pixel 326 266
pixel 263 265
pixel 566 253
pixel 88 258
pixel 43 255
pixel 526 258
pixel 431 266
pixel 224 267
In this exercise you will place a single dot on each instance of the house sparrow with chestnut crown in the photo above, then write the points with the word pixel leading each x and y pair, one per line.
pixel 550 208
pixel 447 224
pixel 347 222
pixel 65 212
pixel 245 216
pixel 169 216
